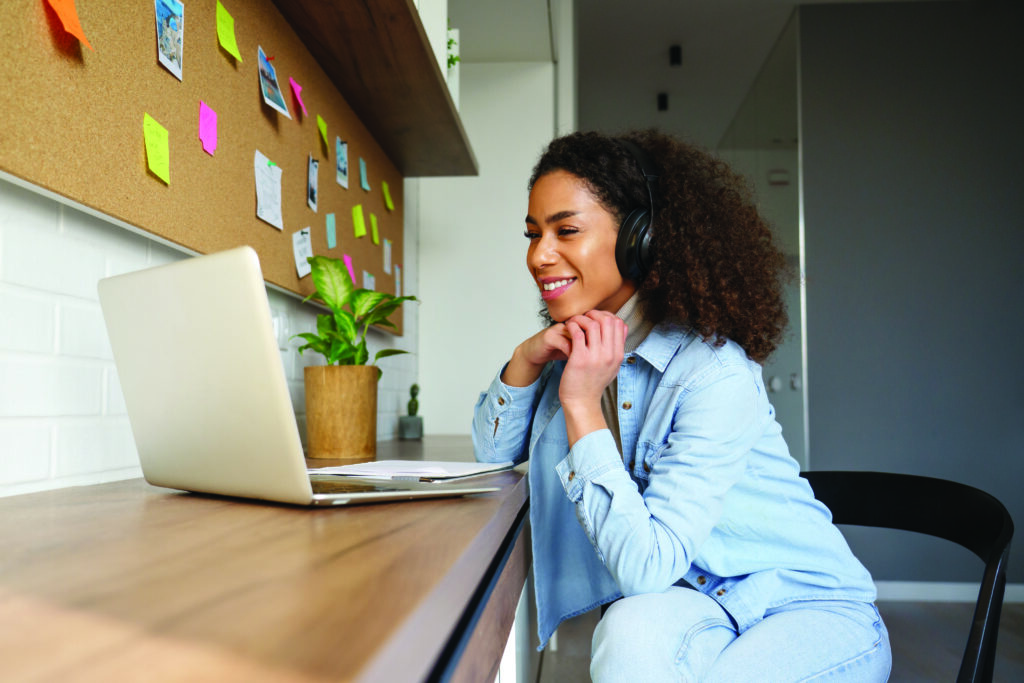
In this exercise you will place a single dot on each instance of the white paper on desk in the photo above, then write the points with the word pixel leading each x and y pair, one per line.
pixel 427 470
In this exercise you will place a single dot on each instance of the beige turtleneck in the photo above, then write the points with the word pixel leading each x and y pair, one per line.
pixel 637 330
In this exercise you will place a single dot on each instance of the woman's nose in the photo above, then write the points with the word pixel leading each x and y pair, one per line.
pixel 543 252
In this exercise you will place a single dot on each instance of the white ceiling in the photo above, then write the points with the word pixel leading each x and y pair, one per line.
pixel 622 55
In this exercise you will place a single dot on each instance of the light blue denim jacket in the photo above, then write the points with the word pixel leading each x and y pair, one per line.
pixel 707 493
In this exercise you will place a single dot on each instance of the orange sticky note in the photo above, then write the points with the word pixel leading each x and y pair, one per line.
pixel 68 14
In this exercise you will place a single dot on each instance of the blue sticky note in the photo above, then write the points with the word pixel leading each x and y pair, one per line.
pixel 362 175
pixel 332 235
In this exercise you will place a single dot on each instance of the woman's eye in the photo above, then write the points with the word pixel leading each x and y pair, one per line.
pixel 567 231
pixel 530 235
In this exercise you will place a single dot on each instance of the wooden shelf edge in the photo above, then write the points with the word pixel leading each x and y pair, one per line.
pixel 378 56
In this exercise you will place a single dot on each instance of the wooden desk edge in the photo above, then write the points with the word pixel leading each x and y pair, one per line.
pixel 419 646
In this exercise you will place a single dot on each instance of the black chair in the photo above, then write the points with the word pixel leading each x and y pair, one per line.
pixel 937 507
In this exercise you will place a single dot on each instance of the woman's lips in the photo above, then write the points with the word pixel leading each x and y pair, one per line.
pixel 554 288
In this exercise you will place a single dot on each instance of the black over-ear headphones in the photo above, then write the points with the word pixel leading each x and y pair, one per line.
pixel 633 247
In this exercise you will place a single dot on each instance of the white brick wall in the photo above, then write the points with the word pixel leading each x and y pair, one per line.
pixel 62 416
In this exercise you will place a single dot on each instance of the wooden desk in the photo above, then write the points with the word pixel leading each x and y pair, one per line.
pixel 125 581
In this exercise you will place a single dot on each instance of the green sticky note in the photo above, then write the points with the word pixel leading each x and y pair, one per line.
pixel 373 228
pixel 358 222
pixel 387 196
pixel 158 155
pixel 332 232
pixel 322 125
pixel 226 31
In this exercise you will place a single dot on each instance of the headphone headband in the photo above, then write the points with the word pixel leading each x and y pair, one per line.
pixel 643 159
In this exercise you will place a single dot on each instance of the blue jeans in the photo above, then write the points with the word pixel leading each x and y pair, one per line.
pixel 683 635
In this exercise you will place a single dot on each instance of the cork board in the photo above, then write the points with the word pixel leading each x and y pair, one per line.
pixel 72 123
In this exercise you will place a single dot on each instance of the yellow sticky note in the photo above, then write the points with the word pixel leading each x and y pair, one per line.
pixel 322 125
pixel 158 155
pixel 358 222
pixel 226 31
pixel 387 196
pixel 373 228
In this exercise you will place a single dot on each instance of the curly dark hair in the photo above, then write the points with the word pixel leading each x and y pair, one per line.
pixel 716 267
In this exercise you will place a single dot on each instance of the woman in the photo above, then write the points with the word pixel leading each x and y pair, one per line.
pixel 660 481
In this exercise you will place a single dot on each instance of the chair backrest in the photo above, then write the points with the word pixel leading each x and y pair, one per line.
pixel 937 507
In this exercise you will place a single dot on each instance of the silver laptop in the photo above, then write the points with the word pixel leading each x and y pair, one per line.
pixel 205 389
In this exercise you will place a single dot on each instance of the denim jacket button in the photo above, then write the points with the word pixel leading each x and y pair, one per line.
pixel 572 475
pixel 501 401
pixel 647 468
pixel 627 405
pixel 701 580
pixel 631 360
pixel 721 592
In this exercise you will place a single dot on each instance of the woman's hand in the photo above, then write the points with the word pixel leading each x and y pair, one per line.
pixel 530 357
pixel 598 341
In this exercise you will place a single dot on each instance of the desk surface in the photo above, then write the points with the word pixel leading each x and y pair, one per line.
pixel 100 581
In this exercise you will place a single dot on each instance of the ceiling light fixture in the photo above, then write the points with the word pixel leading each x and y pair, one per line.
pixel 675 55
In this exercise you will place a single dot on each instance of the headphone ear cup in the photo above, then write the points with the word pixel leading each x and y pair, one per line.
pixel 633 245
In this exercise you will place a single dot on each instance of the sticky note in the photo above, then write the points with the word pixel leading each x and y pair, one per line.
pixel 68 14
pixel 363 182
pixel 207 128
pixel 226 32
pixel 369 281
pixel 302 246
pixel 398 280
pixel 322 125
pixel 348 264
pixel 268 190
pixel 358 221
pixel 297 89
pixel 158 155
pixel 373 229
pixel 387 256
pixel 332 232
pixel 387 196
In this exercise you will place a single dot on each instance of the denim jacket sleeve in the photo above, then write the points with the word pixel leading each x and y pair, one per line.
pixel 501 420
pixel 648 537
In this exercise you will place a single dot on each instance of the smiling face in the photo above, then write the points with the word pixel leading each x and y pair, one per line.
pixel 572 248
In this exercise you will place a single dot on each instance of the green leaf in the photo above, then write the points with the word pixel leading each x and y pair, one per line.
pixel 361 354
pixel 315 343
pixel 365 300
pixel 332 281
pixel 346 325
pixel 384 353
pixel 325 325
pixel 385 309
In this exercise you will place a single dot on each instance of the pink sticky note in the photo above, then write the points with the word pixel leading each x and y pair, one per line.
pixel 207 128
pixel 348 264
pixel 297 89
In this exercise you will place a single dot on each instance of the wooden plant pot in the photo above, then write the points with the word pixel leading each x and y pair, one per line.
pixel 341 411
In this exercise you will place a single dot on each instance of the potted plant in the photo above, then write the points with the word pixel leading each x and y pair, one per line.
pixel 341 396
pixel 411 426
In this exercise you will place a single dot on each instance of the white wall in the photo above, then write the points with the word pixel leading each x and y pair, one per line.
pixel 478 298
pixel 62 416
